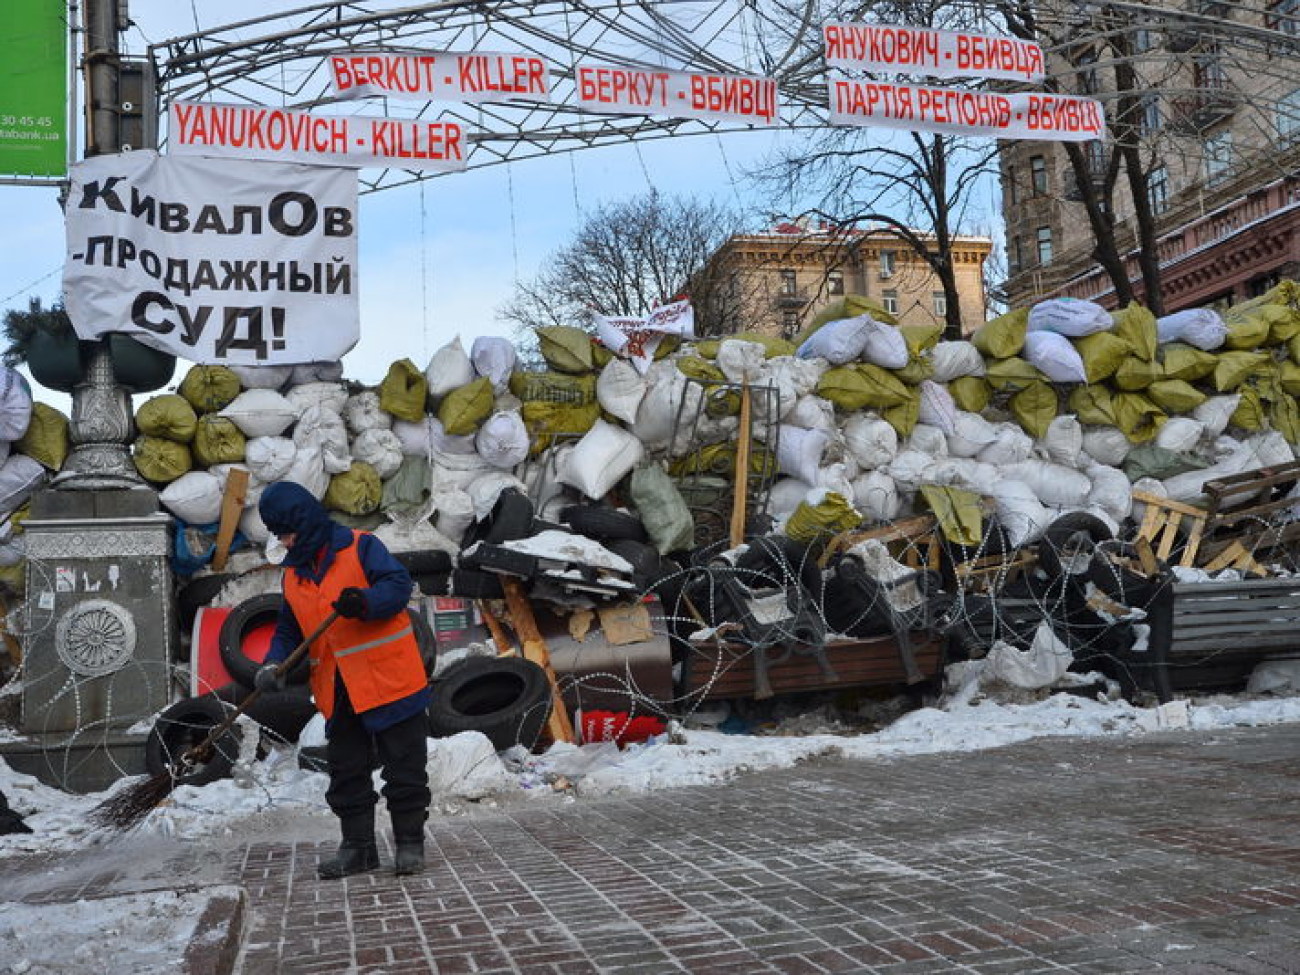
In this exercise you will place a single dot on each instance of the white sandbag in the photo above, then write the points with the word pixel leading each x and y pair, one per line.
pixel 1010 445
pixel 657 416
pixel 812 413
pixel 194 498
pixel 1189 486
pixel 937 407
pixel 316 372
pixel 308 469
pixel 502 440
pixel 1019 511
pixel 262 377
pixel 1042 665
pixel 885 346
pixel 792 377
pixel 876 495
pixel 253 487
pixel 15 404
pixel 952 360
pixel 928 440
pixel 20 475
pixel 485 489
pixel 1069 316
pixel 269 458
pixel 442 442
pixel 494 359
pixel 325 429
pixel 1051 483
pixel 1180 434
pixel 603 456
pixel 799 452
pixel 1111 491
pixel 1216 413
pixel 252 526
pixel 362 412
pixel 839 341
pixel 260 413
pixel 453 512
pixel 741 361
pixel 1063 442
pixel 970 434
pixel 835 477
pixel 414 437
pixel 380 449
pixel 620 389
pixel 880 565
pixel 1271 676
pixel 1260 450
pixel 1106 445
pixel 331 396
pixel 1055 356
pixel 910 468
pixel 1146 485
pixel 455 470
pixel 450 368
pixel 873 442
pixel 966 472
pixel 1201 327
pixel 786 494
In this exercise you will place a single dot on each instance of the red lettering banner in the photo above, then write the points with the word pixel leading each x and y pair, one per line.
pixel 449 76
pixel 925 51
pixel 678 94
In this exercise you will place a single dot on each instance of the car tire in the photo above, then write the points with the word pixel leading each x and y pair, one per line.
pixel 282 713
pixel 183 726
pixel 1076 527
pixel 511 517
pixel 251 613
pixel 195 594
pixel 603 523
pixel 508 699
pixel 472 584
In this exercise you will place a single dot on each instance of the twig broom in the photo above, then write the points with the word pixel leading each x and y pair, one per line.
pixel 131 805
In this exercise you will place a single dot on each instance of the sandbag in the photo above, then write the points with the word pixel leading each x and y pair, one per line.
pixel 1136 374
pixel 1176 396
pixel 356 491
pixel 545 421
pixel 494 359
pixel 194 498
pixel 363 412
pixel 1200 327
pixel 870 440
pixel 209 388
pixel 262 377
pixel 160 461
pixel 1004 336
pixel 1012 374
pixel 951 360
pixel 269 458
pixel 663 511
pixel 600 459
pixel 1010 445
pixel 260 413
pixel 885 346
pixel 316 372
pixel 970 393
pixel 1106 445
pixel 1093 404
pixel 812 413
pixel 1136 325
pixel 1102 354
pixel 502 440
pixel 46 439
pixel 861 386
pixel 463 410
pixel 324 429
pixel 403 392
pixel 1055 357
pixel 970 434
pixel 1248 331
pixel 217 441
pixel 331 396
pixel 850 306
pixel 828 516
pixel 169 416
pixel 1233 368
pixel 1216 412
pixel 450 368
pixel 903 416
pixel 565 348
pixel 1063 440
pixel 1022 516
pixel 554 387
pixel 620 389
pixel 308 469
pixel 741 362
pixel 1034 408
pixel 1137 416
pixel 799 452
pixel 876 495
pixel 380 449
pixel 1182 361
pixel 1052 484
pixel 1069 316
pixel 838 342
pixel 936 407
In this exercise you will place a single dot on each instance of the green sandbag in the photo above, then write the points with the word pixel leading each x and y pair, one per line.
pixel 1136 325
pixel 161 461
pixel 813 522
pixel 1232 368
pixel 1186 361
pixel 1175 395
pixel 861 386
pixel 1250 413
pixel 1289 376
pixel 719 459
pixel 850 306
pixel 905 416
pixel 1092 404
pixel 697 368
pixel 1035 407
pixel 772 346
pixel 918 368
pixel 1013 373
pixel 1248 330
pixel 1137 416
pixel 168 416
pixel 545 421
pixel 46 439
pixel 403 391
pixel 1285 418
pixel 970 393
pixel 1004 336
pixel 408 489
pixel 1102 354
pixel 217 441
pixel 1134 374
pixel 921 338
pixel 463 410
pixel 565 348
pixel 664 513
pixel 209 388
pixel 1148 460
pixel 356 491
pixel 554 387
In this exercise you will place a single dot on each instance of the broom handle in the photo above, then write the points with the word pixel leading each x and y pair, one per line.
pixel 280 670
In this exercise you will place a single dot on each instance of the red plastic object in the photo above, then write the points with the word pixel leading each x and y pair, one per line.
pixel 207 670
pixel 618 726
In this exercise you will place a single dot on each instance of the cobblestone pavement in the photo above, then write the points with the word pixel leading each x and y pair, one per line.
pixel 1169 853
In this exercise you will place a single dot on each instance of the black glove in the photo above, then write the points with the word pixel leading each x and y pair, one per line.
pixel 267 678
pixel 351 603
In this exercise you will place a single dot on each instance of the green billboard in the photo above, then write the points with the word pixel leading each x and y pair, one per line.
pixel 34 88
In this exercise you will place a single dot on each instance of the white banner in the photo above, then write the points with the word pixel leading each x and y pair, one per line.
pixel 638 338
pixel 254 132
pixel 680 94
pixel 216 261
pixel 443 76
pixel 922 50
pixel 958 111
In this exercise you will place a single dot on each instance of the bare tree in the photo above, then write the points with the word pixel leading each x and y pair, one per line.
pixel 625 259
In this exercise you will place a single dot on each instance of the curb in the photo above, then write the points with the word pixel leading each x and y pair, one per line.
pixel 218 934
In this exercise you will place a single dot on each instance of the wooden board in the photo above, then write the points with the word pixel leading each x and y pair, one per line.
pixel 534 648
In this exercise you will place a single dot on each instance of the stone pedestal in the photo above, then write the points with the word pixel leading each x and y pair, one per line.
pixel 100 632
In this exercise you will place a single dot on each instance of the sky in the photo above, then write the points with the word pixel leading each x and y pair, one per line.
pixel 145 924
pixel 437 259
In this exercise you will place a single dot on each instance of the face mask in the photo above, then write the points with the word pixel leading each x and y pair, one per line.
pixel 275 550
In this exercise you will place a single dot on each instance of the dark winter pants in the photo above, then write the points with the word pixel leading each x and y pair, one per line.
pixel 400 751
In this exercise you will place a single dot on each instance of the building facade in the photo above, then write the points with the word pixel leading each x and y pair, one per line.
pixel 776 282
pixel 1217 111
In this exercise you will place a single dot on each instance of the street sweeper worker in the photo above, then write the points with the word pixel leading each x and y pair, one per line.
pixel 367 675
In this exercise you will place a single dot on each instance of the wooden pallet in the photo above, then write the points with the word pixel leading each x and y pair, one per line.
pixel 1165 521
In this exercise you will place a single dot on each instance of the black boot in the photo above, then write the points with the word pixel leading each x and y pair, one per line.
pixel 408 835
pixel 357 853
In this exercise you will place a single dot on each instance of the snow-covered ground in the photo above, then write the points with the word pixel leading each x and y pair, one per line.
pixel 467 775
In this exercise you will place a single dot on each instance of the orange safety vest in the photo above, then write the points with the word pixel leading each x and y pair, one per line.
pixel 379 660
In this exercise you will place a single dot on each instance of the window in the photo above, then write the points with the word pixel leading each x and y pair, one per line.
pixel 1284 15
pixel 1158 189
pixel 835 283
pixel 1218 156
pixel 1144 39
pixel 1288 114
pixel 1044 239
pixel 1088 80
pixel 887 259
pixel 1038 174
pixel 789 323
pixel 787 282
pixel 1013 189
pixel 890 301
pixel 1017 256
pixel 1208 72
pixel 1150 120
pixel 940 304
pixel 1094 150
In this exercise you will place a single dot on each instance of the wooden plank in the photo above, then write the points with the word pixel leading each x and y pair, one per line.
pixel 498 632
pixel 534 648
pixel 1225 558
pixel 1167 505
pixel 740 493
pixel 1167 539
pixel 232 506
pixel 1146 557
pixel 1193 543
